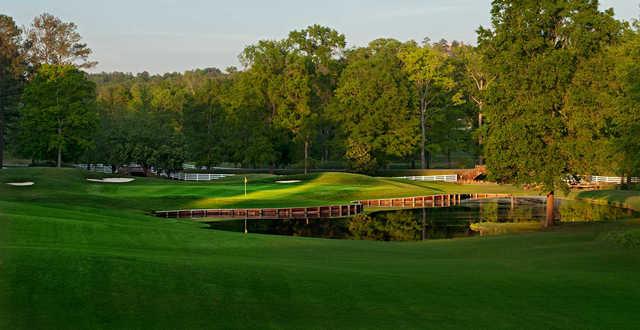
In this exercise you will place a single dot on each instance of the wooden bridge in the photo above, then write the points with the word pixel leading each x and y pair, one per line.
pixel 426 201
pixel 327 212
pixel 318 212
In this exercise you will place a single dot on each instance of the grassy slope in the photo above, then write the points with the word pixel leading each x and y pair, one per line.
pixel 625 198
pixel 78 254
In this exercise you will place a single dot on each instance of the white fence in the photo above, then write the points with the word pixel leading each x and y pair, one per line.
pixel 432 178
pixel 100 168
pixel 612 179
pixel 198 176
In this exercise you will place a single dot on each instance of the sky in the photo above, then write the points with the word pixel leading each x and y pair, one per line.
pixel 176 35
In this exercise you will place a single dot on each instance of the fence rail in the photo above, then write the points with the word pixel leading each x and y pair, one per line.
pixel 432 178
pixel 613 179
pixel 198 176
pixel 100 168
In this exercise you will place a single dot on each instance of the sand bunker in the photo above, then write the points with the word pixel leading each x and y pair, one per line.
pixel 112 180
pixel 21 184
pixel 288 181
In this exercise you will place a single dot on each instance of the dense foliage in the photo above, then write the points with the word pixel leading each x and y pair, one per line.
pixel 551 90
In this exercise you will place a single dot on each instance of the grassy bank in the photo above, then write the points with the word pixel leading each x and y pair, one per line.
pixel 84 255
pixel 623 198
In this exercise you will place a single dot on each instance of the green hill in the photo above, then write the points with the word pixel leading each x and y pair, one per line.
pixel 75 254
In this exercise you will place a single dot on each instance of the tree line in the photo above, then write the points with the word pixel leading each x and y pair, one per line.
pixel 550 90
pixel 303 101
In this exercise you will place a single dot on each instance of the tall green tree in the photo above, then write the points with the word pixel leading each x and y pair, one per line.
pixel 59 112
pixel 534 50
pixel 251 138
pixel 52 41
pixel 607 87
pixel 12 69
pixel 321 48
pixel 204 121
pixel 475 82
pixel 628 72
pixel 295 112
pixel 376 106
pixel 429 70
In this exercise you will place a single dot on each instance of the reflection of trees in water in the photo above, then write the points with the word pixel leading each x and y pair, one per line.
pixel 392 226
pixel 312 228
pixel 430 223
pixel 488 211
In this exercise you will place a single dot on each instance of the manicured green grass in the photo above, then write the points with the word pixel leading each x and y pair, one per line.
pixel 624 198
pixel 80 255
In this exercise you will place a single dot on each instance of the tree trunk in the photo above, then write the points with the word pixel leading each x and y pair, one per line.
pixel 306 157
pixel 423 142
pixel 59 163
pixel 550 207
pixel 480 158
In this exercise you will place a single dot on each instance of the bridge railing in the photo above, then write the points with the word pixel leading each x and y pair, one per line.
pixel 330 211
pixel 318 212
pixel 426 201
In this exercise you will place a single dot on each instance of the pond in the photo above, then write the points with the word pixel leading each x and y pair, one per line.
pixel 432 223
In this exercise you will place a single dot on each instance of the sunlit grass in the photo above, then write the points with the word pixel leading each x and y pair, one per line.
pixel 85 255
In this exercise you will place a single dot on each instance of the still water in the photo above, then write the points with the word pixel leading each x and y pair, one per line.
pixel 430 223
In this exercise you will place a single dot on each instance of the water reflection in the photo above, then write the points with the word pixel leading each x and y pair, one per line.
pixel 431 223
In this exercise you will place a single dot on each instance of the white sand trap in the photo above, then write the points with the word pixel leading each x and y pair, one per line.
pixel 288 181
pixel 21 184
pixel 111 180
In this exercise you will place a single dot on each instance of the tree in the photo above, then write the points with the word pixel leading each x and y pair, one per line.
pixel 375 105
pixel 52 41
pixel 12 68
pixel 607 87
pixel 204 122
pixel 429 69
pixel 320 47
pixel 476 82
pixel 628 73
pixel 59 112
pixel 534 50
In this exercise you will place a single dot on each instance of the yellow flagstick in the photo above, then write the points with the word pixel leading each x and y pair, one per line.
pixel 245 196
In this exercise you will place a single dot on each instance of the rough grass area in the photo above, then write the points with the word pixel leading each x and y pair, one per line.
pixel 79 255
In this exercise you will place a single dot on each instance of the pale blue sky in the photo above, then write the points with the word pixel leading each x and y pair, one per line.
pixel 177 35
